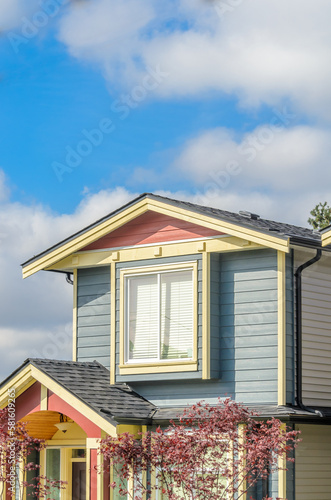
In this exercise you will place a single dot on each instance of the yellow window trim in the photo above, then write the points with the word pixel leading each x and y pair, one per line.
pixel 166 366
pixel 154 368
pixel 139 208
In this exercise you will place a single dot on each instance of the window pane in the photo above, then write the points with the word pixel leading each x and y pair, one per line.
pixel 53 470
pixel 143 317
pixel 31 475
pixel 78 453
pixel 177 315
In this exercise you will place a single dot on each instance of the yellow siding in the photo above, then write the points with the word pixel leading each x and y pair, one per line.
pixel 316 319
pixel 313 463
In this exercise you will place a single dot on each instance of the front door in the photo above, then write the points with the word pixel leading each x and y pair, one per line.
pixel 78 480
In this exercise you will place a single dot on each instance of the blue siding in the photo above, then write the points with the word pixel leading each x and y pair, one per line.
pixel 249 323
pixel 160 376
pixel 93 315
pixel 244 312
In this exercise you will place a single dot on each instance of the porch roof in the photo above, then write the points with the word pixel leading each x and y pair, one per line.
pixel 89 382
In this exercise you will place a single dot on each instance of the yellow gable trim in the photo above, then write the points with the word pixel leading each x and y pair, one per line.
pixel 21 382
pixel 85 239
pixel 103 258
pixel 139 208
pixel 271 241
pixel 31 374
pixel 72 400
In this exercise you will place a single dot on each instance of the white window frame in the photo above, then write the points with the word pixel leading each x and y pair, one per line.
pixel 128 366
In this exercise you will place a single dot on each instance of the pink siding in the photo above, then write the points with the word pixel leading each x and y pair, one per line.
pixel 151 227
pixel 55 403
pixel 28 401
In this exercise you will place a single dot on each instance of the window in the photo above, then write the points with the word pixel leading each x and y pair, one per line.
pixel 159 315
pixel 53 469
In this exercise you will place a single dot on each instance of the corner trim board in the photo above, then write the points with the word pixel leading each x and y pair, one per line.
pixel 281 284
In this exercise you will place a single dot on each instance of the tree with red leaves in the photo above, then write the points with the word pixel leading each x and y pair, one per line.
pixel 211 453
pixel 19 475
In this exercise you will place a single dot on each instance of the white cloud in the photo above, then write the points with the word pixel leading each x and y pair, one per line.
pixel 36 313
pixel 12 12
pixel 260 51
pixel 39 309
pixel 107 31
pixel 280 159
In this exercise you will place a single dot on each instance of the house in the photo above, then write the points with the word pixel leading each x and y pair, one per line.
pixel 174 303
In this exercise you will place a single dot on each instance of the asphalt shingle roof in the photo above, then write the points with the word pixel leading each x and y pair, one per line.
pixel 297 234
pixel 263 411
pixel 90 382
pixel 264 225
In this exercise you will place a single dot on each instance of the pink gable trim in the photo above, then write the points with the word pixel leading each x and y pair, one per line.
pixel 151 227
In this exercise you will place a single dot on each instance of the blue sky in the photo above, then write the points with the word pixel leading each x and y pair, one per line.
pixel 221 102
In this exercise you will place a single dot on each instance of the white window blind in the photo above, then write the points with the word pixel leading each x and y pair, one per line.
pixel 160 316
pixel 176 315
pixel 143 317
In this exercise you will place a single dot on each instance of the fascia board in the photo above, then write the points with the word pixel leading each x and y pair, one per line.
pixel 49 259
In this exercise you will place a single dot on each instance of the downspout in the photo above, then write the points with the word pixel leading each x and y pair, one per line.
pixel 298 308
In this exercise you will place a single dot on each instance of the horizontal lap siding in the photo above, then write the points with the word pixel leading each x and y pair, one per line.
pixel 316 331
pixel 313 463
pixel 248 326
pixel 243 328
pixel 93 315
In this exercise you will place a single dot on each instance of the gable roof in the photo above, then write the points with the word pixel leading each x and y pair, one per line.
pixel 89 382
pixel 262 229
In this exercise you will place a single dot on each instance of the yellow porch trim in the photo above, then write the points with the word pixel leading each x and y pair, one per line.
pixel 139 208
pixel 112 322
pixel 43 398
pixel 134 430
pixel 21 382
pixel 282 472
pixel 72 400
pixel 281 280
pixel 167 366
pixel 206 315
pixel 62 443
pixel 31 374
pixel 74 318
pixel 65 474
pixel 107 257
pixel 241 479
pixel 88 472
